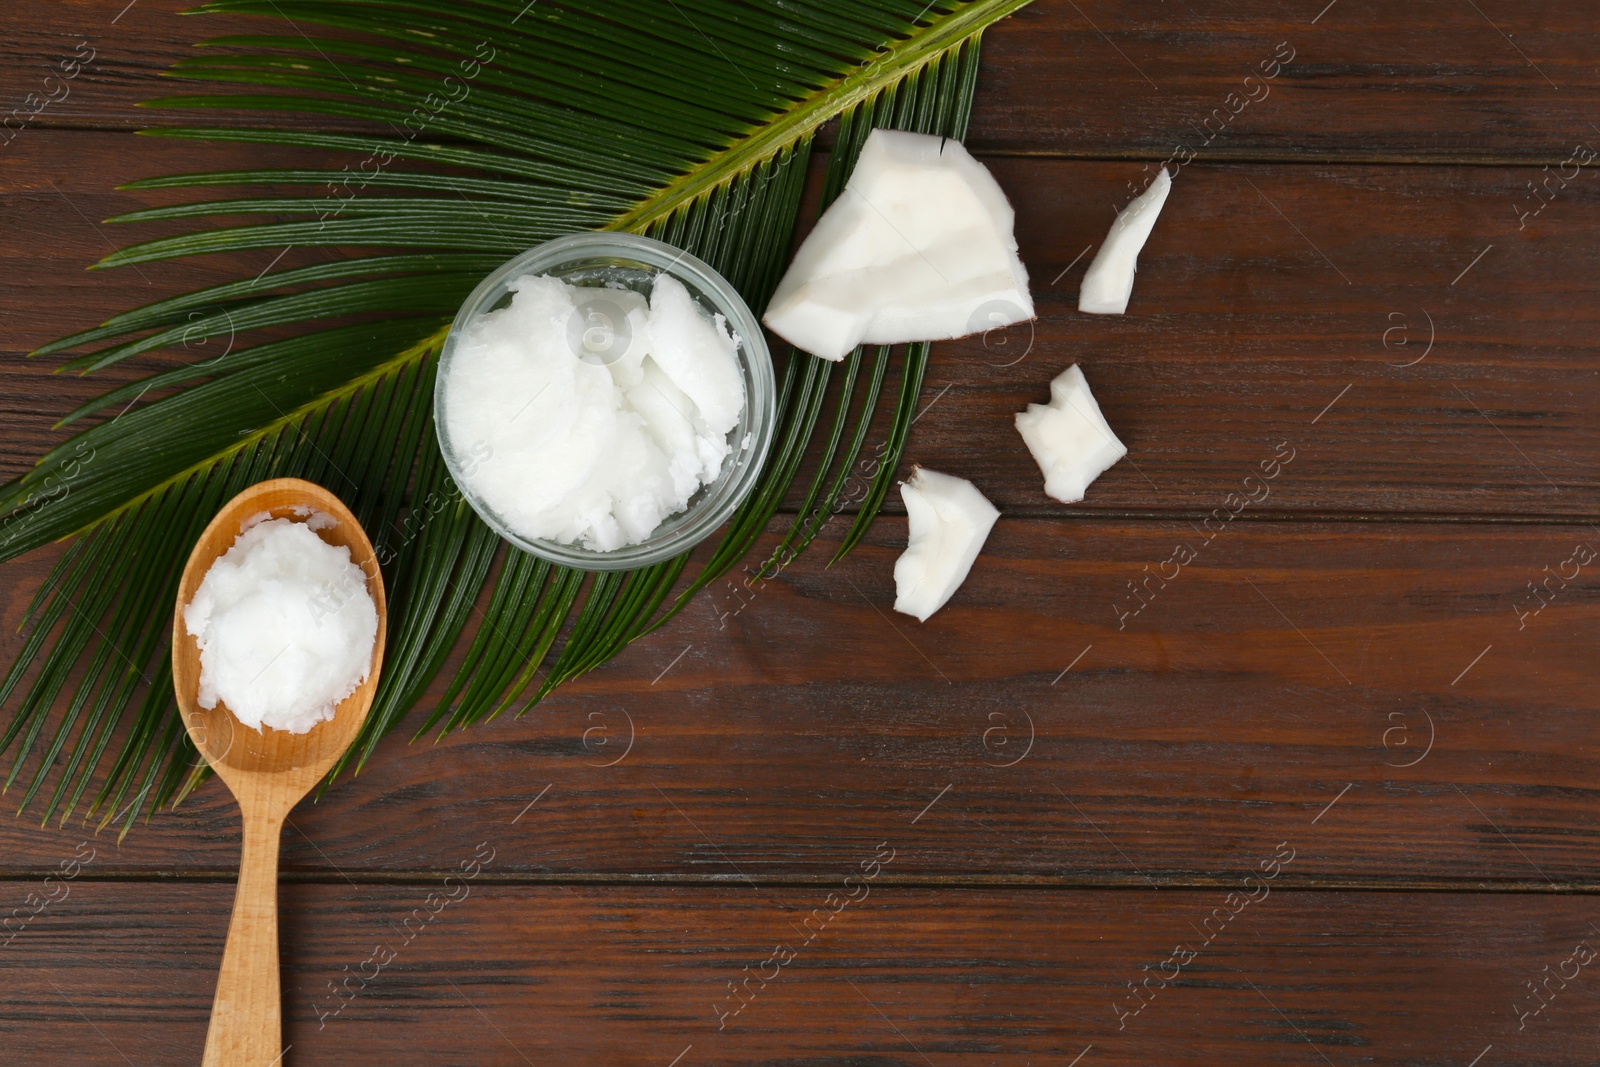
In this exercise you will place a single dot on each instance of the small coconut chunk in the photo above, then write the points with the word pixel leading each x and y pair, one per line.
pixel 918 247
pixel 1069 438
pixel 949 521
pixel 1108 283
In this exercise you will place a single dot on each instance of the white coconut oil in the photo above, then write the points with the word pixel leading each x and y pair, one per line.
pixel 588 415
pixel 285 626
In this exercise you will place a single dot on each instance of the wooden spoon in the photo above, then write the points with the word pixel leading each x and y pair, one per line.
pixel 269 771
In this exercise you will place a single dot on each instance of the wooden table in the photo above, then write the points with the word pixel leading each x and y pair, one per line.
pixel 1327 797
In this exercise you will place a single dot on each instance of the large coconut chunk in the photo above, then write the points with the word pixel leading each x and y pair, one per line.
pixel 918 247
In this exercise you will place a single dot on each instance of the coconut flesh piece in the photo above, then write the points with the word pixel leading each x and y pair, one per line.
pixel 949 521
pixel 1069 438
pixel 1108 283
pixel 918 247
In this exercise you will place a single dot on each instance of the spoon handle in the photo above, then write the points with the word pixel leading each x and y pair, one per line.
pixel 246 1016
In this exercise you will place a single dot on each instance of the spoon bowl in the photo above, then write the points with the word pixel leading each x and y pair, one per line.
pixel 269 771
pixel 240 755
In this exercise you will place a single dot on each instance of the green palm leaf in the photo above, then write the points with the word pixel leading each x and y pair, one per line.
pixel 690 120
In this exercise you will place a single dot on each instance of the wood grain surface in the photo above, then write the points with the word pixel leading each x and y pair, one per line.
pixel 1425 80
pixel 1242 331
pixel 1086 754
pixel 774 726
pixel 464 972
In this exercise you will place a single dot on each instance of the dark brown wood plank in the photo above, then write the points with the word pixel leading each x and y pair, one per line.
pixel 771 729
pixel 1431 79
pixel 1241 333
pixel 119 973
pixel 1428 79
pixel 79 63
